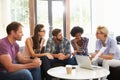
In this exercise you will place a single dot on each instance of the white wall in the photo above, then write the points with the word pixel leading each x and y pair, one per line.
pixel 112 16
pixel 0 9
pixel 107 13
pixel 0 13
pixel 97 14
pixel 4 16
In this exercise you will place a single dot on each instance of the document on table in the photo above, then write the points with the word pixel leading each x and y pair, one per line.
pixel 99 53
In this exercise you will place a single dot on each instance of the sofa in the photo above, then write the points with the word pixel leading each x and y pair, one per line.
pixel 114 73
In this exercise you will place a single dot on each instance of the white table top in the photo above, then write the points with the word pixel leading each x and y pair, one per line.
pixel 60 72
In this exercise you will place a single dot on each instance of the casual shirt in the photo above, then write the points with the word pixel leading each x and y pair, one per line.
pixel 26 52
pixel 7 48
pixel 84 45
pixel 63 47
pixel 111 45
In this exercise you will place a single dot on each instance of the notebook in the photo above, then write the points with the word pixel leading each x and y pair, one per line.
pixel 85 62
pixel 99 53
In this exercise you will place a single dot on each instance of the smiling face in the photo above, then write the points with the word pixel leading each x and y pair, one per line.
pixel 78 36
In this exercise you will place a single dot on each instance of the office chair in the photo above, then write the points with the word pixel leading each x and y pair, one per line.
pixel 118 39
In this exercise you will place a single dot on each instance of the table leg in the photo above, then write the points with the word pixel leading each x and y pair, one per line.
pixel 99 78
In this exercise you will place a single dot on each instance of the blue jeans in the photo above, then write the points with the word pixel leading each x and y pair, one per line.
pixel 24 74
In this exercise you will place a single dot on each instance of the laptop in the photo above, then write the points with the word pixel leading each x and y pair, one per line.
pixel 85 62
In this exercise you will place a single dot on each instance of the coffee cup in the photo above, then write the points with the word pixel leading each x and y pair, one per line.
pixel 68 69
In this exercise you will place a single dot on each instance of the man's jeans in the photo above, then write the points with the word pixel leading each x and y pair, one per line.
pixel 24 74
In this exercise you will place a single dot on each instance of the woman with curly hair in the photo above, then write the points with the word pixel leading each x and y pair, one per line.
pixel 79 43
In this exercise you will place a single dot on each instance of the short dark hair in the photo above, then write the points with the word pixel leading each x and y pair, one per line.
pixel 75 30
pixel 13 26
pixel 55 32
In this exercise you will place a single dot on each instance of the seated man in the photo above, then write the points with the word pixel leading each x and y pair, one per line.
pixel 59 48
pixel 10 55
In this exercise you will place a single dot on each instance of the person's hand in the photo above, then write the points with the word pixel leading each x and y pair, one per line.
pixel 36 62
pixel 61 56
pixel 49 56
pixel 75 40
pixel 81 51
pixel 92 55
pixel 42 42
pixel 74 53
pixel 101 56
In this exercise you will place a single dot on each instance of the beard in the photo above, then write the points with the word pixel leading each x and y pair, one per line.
pixel 18 38
pixel 59 39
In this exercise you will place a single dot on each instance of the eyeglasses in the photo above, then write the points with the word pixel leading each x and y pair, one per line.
pixel 42 31
pixel 99 33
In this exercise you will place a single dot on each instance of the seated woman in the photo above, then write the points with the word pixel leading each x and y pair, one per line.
pixel 34 45
pixel 111 55
pixel 79 43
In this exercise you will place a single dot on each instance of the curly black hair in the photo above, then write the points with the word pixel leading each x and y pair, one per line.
pixel 75 30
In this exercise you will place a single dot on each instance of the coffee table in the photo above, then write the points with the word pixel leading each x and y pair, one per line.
pixel 78 73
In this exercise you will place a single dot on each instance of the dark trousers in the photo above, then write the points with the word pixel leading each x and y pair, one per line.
pixel 48 63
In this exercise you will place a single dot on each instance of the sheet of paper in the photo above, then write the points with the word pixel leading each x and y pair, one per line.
pixel 72 50
pixel 99 53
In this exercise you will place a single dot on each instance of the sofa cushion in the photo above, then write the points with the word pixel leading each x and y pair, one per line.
pixel 114 73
